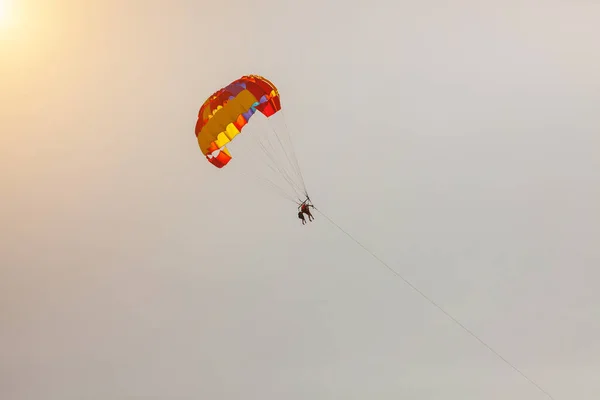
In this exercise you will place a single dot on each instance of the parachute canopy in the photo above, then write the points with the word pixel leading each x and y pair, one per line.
pixel 225 113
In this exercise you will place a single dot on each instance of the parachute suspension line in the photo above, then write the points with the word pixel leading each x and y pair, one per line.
pixel 294 172
pixel 276 188
pixel 276 167
pixel 297 168
pixel 294 163
pixel 298 183
pixel 291 145
pixel 284 173
pixel 273 152
pixel 436 305
pixel 282 193
pixel 286 178
pixel 292 196
pixel 289 135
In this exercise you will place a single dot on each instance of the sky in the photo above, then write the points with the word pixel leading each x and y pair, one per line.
pixel 457 141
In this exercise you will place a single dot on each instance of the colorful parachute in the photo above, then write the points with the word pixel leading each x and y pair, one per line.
pixel 226 113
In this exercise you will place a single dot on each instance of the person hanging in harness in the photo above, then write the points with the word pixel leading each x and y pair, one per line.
pixel 301 216
pixel 305 209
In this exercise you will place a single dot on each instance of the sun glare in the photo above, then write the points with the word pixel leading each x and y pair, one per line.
pixel 5 12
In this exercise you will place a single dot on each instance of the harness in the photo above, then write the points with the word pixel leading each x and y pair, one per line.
pixel 305 204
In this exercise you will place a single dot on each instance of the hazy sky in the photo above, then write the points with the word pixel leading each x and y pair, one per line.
pixel 457 140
